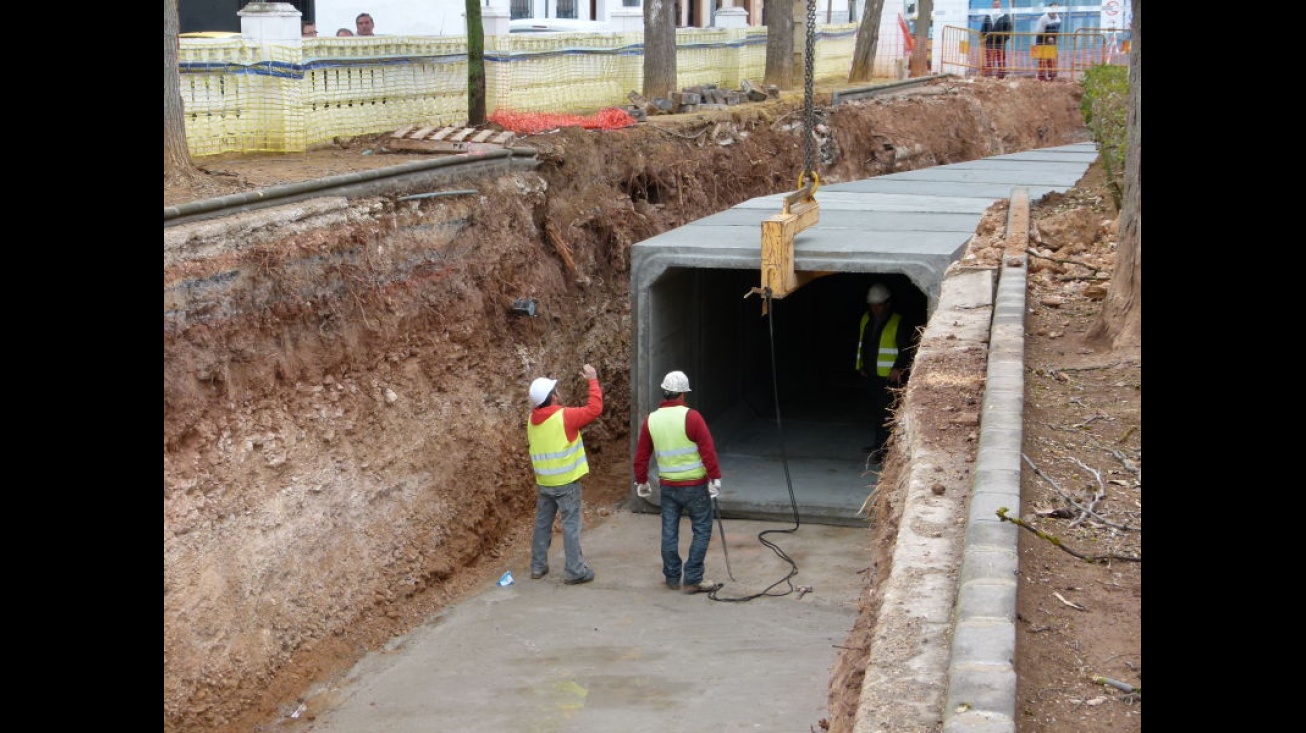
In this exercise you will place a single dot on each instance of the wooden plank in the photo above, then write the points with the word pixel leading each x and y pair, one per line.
pixel 504 138
pixel 442 134
pixel 403 131
pixel 422 133
pixel 778 246
pixel 462 134
pixel 482 136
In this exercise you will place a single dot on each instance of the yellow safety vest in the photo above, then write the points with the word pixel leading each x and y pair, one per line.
pixel 677 455
pixel 888 352
pixel 556 460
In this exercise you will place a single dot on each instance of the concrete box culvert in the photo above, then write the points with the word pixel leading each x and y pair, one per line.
pixel 690 312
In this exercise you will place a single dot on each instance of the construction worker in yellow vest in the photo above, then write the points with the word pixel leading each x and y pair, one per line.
pixel 689 477
pixel 885 347
pixel 558 456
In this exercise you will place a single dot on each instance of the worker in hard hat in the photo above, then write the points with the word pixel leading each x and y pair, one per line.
pixel 689 477
pixel 886 344
pixel 558 455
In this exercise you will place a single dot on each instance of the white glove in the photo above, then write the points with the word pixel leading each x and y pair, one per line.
pixel 714 487
pixel 643 490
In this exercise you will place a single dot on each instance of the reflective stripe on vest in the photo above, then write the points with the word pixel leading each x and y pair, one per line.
pixel 557 461
pixel 677 455
pixel 888 352
pixel 888 346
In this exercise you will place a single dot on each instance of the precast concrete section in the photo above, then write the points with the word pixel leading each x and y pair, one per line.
pixel 789 414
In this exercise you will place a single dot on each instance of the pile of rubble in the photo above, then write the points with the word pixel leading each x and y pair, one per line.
pixel 697 98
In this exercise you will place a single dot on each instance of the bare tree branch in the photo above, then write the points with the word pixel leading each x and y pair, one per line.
pixel 1074 503
pixel 1100 494
pixel 1002 514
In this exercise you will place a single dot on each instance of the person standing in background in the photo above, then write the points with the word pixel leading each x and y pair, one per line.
pixel 558 457
pixel 994 32
pixel 1045 38
pixel 344 33
pixel 886 345
pixel 689 475
pixel 365 25
pixel 308 29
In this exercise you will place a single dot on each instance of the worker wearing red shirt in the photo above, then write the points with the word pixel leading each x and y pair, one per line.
pixel 558 457
pixel 689 476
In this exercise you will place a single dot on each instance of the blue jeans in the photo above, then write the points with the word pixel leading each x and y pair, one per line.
pixel 549 501
pixel 695 501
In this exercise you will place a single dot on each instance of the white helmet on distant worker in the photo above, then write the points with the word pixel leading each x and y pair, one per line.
pixel 540 390
pixel 675 382
pixel 877 294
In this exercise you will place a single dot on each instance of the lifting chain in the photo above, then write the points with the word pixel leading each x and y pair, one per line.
pixel 809 114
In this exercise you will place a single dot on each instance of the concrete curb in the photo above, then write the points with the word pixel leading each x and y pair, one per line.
pixel 982 676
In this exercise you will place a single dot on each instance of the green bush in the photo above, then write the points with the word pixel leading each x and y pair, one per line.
pixel 1105 105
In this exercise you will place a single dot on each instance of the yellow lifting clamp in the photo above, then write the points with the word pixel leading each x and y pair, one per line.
pixel 800 208
pixel 799 212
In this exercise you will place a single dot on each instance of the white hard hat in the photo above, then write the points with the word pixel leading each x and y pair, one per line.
pixel 675 382
pixel 877 294
pixel 540 390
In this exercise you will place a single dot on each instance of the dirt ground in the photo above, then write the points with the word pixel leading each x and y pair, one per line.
pixel 320 497
pixel 1080 599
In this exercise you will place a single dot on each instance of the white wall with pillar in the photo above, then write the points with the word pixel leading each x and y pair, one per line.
pixel 731 18
pixel 270 23
pixel 494 20
pixel 625 19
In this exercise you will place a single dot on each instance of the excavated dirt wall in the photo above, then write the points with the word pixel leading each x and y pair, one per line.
pixel 344 380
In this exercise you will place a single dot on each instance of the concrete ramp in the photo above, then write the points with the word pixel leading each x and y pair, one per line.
pixel 789 414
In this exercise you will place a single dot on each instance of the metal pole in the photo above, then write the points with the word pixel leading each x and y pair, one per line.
pixel 717 508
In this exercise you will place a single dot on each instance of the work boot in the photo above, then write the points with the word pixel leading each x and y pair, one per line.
pixel 587 577
pixel 537 574
pixel 706 586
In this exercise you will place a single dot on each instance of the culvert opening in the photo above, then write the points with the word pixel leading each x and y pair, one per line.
pixel 816 416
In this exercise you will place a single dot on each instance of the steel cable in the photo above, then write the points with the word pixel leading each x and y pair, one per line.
pixel 808 177
pixel 784 461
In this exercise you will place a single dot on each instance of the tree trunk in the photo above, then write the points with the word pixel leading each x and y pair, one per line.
pixel 475 63
pixel 920 54
pixel 780 43
pixel 659 49
pixel 1120 323
pixel 868 36
pixel 176 154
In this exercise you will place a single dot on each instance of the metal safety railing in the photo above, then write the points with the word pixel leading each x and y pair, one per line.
pixel 964 52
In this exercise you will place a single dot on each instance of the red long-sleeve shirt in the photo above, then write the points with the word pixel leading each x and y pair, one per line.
pixel 574 418
pixel 696 430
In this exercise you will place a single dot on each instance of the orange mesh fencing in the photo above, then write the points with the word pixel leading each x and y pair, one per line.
pixel 529 123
